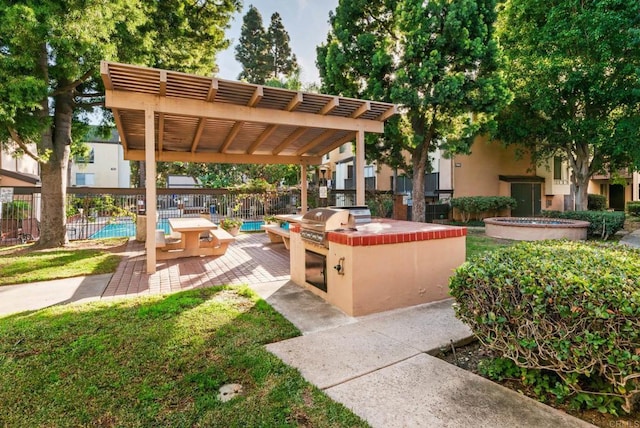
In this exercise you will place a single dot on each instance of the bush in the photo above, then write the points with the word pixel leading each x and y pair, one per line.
pixel 596 202
pixel 633 208
pixel 602 224
pixel 562 308
pixel 473 206
pixel 16 210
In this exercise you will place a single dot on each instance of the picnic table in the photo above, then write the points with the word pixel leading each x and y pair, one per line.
pixel 190 244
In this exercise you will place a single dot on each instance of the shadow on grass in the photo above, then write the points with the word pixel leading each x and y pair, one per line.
pixel 156 361
pixel 57 264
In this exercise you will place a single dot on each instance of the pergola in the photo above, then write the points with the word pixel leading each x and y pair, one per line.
pixel 164 115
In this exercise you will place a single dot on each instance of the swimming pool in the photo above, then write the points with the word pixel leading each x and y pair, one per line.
pixel 121 230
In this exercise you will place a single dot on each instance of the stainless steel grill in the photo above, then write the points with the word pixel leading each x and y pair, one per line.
pixel 317 222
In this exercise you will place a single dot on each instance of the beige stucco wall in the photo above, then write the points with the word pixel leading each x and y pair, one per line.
pixel 477 174
pixel 109 167
pixel 23 164
pixel 383 277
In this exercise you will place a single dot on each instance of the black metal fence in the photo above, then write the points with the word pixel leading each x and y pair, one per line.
pixel 112 212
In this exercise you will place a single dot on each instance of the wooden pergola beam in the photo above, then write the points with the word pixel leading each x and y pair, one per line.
pixel 332 104
pixel 163 83
pixel 319 139
pixel 256 97
pixel 365 107
pixel 295 102
pixel 118 120
pixel 387 114
pixel 213 157
pixel 160 131
pixel 349 137
pixel 231 136
pixel 289 140
pixel 213 90
pixel 265 134
pixel 196 138
pixel 106 77
pixel 223 111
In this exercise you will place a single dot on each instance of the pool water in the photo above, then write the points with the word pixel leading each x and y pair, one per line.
pixel 120 230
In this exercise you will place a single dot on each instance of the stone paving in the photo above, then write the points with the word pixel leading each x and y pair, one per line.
pixel 251 259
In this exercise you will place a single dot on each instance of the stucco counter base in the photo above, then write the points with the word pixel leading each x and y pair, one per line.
pixel 384 265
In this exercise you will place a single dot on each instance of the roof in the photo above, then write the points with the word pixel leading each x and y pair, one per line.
pixel 20 176
pixel 206 119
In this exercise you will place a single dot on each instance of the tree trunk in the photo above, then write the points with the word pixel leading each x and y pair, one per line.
pixel 419 159
pixel 581 174
pixel 53 219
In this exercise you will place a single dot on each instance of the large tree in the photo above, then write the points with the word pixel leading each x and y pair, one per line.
pixel 252 51
pixel 50 53
pixel 438 60
pixel 265 54
pixel 283 62
pixel 574 67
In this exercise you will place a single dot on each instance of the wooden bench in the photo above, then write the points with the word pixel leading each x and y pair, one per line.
pixel 277 234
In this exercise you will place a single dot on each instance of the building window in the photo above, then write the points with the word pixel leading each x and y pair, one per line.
pixel 89 158
pixel 343 148
pixel 369 171
pixel 85 179
pixel 557 168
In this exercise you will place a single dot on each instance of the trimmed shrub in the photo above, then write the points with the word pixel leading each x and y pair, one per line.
pixel 472 206
pixel 596 202
pixel 633 208
pixel 602 224
pixel 566 313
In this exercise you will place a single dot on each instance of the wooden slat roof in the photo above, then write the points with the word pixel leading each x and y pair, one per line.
pixel 206 119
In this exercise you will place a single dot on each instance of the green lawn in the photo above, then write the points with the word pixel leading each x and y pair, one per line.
pixel 19 265
pixel 478 242
pixel 156 361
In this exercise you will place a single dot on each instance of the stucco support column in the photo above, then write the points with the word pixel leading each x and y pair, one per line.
pixel 150 186
pixel 359 168
pixel 635 186
pixel 303 188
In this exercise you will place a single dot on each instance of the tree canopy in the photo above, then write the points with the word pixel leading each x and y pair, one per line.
pixel 574 68
pixel 265 54
pixel 50 54
pixel 438 60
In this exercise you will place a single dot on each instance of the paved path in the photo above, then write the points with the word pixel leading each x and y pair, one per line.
pixel 38 295
pixel 631 239
pixel 380 367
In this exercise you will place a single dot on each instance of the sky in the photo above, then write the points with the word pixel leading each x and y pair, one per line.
pixel 306 21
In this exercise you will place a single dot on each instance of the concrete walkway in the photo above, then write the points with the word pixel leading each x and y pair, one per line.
pixel 379 366
pixel 631 239
pixel 38 295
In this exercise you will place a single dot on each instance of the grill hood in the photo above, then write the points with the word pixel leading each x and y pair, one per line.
pixel 327 219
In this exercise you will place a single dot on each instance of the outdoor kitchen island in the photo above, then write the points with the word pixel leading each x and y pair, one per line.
pixel 376 266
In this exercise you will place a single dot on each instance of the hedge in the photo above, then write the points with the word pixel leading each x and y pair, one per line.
pixel 473 206
pixel 596 202
pixel 634 208
pixel 602 224
pixel 565 314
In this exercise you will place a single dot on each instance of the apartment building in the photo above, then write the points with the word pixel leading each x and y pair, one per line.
pixel 104 165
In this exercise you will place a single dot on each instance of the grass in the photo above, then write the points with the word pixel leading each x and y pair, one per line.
pixel 478 242
pixel 20 265
pixel 156 361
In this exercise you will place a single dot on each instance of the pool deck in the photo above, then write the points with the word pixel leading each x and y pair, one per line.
pixel 252 259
